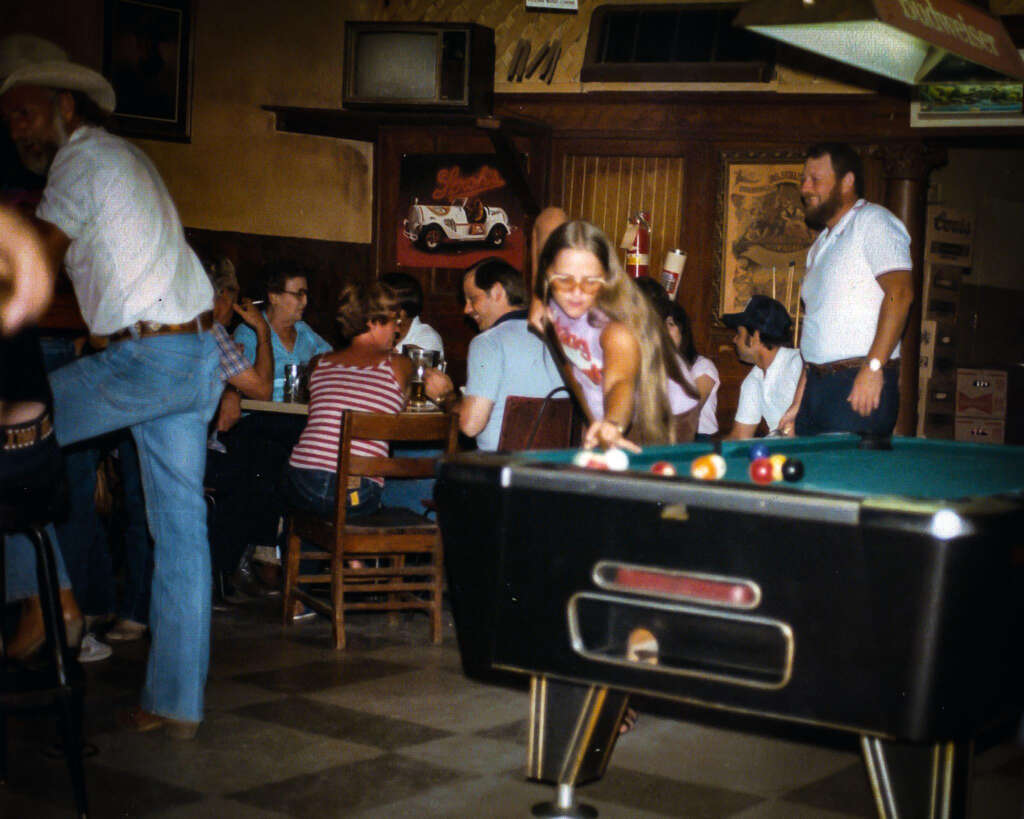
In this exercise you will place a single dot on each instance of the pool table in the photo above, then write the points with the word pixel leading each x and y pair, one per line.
pixel 882 594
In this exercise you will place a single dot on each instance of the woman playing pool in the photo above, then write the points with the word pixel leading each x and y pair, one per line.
pixel 614 341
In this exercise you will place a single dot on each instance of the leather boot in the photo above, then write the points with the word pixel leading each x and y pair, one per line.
pixel 31 634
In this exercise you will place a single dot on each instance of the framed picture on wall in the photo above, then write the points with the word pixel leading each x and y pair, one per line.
pixel 454 210
pixel 147 55
pixel 762 238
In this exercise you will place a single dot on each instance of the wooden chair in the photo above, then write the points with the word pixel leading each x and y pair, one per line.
pixel 540 423
pixel 380 542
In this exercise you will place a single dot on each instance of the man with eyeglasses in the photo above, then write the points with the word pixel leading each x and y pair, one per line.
pixel 258 446
pixel 293 341
pixel 505 359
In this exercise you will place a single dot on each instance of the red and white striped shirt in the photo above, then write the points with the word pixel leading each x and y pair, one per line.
pixel 334 388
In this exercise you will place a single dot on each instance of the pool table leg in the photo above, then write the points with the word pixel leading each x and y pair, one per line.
pixel 573 729
pixel 928 781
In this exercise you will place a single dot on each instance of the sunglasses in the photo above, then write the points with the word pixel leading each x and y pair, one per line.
pixel 566 284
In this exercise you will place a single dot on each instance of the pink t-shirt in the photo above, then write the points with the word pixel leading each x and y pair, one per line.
pixel 581 342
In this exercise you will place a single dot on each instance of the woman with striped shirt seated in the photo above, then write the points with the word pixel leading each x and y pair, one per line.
pixel 363 375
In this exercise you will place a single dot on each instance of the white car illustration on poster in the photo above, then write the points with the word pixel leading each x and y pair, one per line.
pixel 465 220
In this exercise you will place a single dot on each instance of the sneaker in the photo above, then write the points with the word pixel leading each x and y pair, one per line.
pixel 92 650
pixel 301 613
pixel 125 630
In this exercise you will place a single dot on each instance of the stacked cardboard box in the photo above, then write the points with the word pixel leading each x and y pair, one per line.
pixel 947 260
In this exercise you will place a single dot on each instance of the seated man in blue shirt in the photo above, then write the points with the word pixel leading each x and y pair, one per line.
pixel 505 359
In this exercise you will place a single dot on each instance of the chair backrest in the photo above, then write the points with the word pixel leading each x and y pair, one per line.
pixel 539 423
pixel 403 427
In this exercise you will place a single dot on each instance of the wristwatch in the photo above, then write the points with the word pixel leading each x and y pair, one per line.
pixel 874 365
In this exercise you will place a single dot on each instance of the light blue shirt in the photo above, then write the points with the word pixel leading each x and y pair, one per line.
pixel 507 359
pixel 307 345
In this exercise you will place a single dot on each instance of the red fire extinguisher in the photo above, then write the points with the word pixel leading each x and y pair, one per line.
pixel 637 243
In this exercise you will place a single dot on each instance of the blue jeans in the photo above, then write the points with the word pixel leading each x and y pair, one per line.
pixel 824 407
pixel 409 493
pixel 20 565
pixel 165 389
pixel 315 490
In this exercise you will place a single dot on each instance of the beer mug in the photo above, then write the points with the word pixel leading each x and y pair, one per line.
pixel 291 383
pixel 421 360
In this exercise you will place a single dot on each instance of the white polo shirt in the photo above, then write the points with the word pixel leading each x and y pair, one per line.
pixel 840 290
pixel 128 259
pixel 423 335
pixel 768 394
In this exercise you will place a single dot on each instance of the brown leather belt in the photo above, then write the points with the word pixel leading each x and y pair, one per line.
pixel 22 436
pixel 830 367
pixel 141 329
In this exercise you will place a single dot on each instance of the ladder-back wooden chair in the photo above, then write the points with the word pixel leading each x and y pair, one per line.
pixel 380 543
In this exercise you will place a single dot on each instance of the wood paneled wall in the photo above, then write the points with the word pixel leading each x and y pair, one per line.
pixel 608 190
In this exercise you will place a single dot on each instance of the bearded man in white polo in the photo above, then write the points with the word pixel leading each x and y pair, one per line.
pixel 106 215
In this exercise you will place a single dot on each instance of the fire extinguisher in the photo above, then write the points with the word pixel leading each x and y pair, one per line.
pixel 637 243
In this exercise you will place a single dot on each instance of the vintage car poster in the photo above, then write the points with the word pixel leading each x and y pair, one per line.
pixel 455 210
pixel 764 236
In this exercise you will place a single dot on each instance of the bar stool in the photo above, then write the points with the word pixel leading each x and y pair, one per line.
pixel 54 679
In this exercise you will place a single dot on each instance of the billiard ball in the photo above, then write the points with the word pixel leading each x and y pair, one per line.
pixel 581 458
pixel 792 469
pixel 708 467
pixel 761 471
pixel 663 468
pixel 590 459
pixel 777 461
pixel 759 451
pixel 616 459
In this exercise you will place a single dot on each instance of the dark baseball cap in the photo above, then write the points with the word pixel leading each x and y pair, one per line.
pixel 763 314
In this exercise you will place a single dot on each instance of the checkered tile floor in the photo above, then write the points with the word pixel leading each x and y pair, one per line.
pixel 391 728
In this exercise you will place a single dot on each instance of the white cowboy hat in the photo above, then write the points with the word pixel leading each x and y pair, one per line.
pixel 29 60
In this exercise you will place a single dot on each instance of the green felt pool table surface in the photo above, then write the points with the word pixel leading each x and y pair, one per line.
pixel 913 468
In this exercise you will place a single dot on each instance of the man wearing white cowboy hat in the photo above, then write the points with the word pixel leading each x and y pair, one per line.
pixel 106 215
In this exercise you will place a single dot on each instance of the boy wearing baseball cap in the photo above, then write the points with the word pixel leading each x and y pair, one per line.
pixel 767 392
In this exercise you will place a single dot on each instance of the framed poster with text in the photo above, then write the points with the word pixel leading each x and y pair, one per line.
pixel 760 228
pixel 454 210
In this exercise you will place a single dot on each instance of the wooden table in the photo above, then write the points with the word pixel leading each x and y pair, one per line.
pixel 288 407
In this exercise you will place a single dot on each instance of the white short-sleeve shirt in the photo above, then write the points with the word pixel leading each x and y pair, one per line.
pixel 128 259
pixel 840 291
pixel 709 412
pixel 768 394
pixel 423 335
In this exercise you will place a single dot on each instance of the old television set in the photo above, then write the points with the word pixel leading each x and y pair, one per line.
pixel 419 67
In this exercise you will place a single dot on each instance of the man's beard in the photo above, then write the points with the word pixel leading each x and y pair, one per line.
pixel 817 218
pixel 37 155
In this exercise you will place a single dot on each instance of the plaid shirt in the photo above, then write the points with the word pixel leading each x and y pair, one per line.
pixel 232 360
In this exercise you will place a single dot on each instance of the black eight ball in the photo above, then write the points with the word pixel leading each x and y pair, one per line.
pixel 792 469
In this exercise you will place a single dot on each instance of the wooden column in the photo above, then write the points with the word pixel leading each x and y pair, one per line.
pixel 906 167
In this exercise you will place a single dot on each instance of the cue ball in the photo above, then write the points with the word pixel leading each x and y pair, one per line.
pixel 616 459
pixel 759 451
pixel 777 461
pixel 792 469
pixel 761 471
pixel 663 468
pixel 590 459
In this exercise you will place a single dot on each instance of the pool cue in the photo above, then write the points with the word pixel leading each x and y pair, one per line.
pixel 773 281
pixel 789 285
pixel 796 326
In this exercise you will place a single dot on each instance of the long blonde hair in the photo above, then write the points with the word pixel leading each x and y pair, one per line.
pixel 621 300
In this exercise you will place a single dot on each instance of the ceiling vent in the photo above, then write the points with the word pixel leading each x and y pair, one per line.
pixel 692 43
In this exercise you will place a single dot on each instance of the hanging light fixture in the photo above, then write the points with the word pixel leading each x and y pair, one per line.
pixel 913 41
